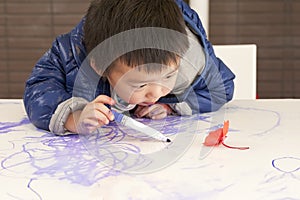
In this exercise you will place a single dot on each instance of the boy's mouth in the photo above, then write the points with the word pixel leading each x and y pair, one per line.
pixel 147 103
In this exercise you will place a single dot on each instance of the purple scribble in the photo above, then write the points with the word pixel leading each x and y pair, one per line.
pixel 66 158
pixel 30 188
pixel 281 184
pixel 286 159
pixel 69 158
pixel 6 127
pixel 277 114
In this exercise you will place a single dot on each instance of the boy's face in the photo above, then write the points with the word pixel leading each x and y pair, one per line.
pixel 136 86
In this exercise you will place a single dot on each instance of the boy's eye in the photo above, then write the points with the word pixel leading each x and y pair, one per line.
pixel 137 86
pixel 141 86
pixel 170 75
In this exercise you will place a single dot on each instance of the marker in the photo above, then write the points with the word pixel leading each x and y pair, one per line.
pixel 129 122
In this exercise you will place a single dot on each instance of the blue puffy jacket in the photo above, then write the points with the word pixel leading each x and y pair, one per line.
pixel 52 79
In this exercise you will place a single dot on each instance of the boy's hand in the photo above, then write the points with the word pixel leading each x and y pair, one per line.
pixel 155 111
pixel 94 115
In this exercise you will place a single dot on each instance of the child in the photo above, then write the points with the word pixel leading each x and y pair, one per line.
pixel 149 57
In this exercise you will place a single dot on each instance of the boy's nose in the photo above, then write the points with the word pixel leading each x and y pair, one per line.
pixel 156 91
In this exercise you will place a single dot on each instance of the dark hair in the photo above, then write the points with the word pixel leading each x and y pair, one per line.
pixel 158 25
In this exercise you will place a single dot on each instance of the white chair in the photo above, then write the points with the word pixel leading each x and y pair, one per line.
pixel 241 59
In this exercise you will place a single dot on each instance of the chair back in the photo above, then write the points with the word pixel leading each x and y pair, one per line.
pixel 241 59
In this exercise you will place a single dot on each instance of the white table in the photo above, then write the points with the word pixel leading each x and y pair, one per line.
pixel 119 163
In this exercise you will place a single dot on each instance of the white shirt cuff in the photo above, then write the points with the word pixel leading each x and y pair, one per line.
pixel 181 108
pixel 62 112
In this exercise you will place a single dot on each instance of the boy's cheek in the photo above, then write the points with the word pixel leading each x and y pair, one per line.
pixel 127 94
pixel 138 97
pixel 167 89
pixel 169 86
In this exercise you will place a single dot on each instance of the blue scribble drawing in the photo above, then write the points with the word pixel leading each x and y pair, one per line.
pixel 139 159
pixel 59 157
pixel 284 182
pixel 6 127
pixel 292 167
pixel 9 126
pixel 42 155
pixel 168 126
pixel 274 113
pixel 31 188
pixel 205 151
pixel 49 156
pixel 45 155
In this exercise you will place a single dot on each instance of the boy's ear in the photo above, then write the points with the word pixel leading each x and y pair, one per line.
pixel 93 64
pixel 95 68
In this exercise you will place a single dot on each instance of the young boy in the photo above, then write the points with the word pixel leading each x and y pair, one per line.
pixel 150 57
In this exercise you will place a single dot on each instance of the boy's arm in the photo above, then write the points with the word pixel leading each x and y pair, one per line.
pixel 215 87
pixel 46 87
pixel 77 115
pixel 212 90
pixel 66 115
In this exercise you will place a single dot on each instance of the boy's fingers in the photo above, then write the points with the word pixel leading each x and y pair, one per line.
pixel 90 123
pixel 87 126
pixel 157 111
pixel 101 108
pixel 159 116
pixel 99 105
pixel 102 118
pixel 151 110
pixel 143 112
pixel 104 99
pixel 138 109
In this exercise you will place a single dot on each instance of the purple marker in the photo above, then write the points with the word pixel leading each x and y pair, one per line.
pixel 129 122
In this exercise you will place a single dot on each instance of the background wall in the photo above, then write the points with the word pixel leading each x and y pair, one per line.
pixel 28 27
pixel 274 27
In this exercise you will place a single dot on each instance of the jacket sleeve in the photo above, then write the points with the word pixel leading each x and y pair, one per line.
pixel 45 89
pixel 214 88
pixel 215 85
